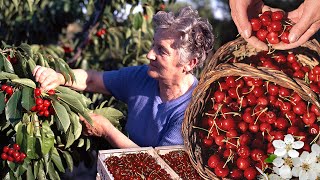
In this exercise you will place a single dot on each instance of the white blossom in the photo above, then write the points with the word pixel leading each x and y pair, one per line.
pixel 306 166
pixel 287 147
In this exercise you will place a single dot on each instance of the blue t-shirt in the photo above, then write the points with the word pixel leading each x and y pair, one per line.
pixel 150 122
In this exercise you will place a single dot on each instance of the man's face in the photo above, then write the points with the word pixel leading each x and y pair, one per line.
pixel 164 57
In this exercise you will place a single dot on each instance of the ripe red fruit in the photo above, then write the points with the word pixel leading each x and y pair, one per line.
pixel 51 92
pixel 243 163
pixel 285 37
pixel 4 87
pixel 275 26
pixel 5 149
pixel 273 38
pixel 255 24
pixel 16 147
pixel 250 173
pixel 213 161
pixel 39 101
pixel 277 15
pixel 4 156
pixel 37 92
pixel 9 90
pixel 221 170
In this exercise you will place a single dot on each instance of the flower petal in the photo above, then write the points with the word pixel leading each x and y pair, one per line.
pixel 288 139
pixel 303 174
pixel 280 152
pixel 297 144
pixel 285 172
pixel 293 153
pixel 278 162
pixel 312 175
pixel 304 155
pixel 315 148
pixel 279 144
pixel 274 177
pixel 296 162
pixel 296 171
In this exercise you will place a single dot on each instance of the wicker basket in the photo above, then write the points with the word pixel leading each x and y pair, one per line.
pixel 307 55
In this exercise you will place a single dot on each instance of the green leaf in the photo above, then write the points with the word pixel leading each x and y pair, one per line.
pixel 5 75
pixel 16 3
pixel 25 82
pixel 7 65
pixel 2 59
pixel 41 174
pixel 30 4
pixel 31 146
pixel 84 100
pixel 88 144
pixel 53 174
pixel 81 142
pixel 137 21
pixel 28 100
pixel 13 108
pixel 2 102
pixel 61 114
pixel 68 159
pixel 270 158
pixel 77 126
pixel 72 102
pixel 31 64
pixel 57 160
pixel 47 138
pixel 26 48
pixel 69 137
pixel 112 114
pixel 30 175
pixel 20 133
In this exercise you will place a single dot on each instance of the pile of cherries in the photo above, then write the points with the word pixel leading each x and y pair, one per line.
pixel 43 106
pixel 288 63
pixel 135 166
pixel 245 115
pixel 13 154
pixel 179 161
pixel 271 27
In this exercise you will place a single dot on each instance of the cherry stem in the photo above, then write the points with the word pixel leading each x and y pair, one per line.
pixel 315 139
pixel 220 86
pixel 230 157
pixel 251 89
pixel 262 111
pixel 289 119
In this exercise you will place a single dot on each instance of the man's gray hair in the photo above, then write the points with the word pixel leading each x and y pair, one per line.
pixel 196 38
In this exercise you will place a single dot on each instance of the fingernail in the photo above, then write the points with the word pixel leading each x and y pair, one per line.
pixel 292 38
pixel 246 34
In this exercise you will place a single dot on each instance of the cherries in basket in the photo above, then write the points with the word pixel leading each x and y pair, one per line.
pixel 245 116
pixel 271 27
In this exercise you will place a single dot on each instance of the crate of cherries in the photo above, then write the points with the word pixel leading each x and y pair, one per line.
pixel 177 158
pixel 133 163
pixel 256 114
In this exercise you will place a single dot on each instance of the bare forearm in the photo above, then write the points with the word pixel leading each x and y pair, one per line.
pixel 86 80
pixel 117 139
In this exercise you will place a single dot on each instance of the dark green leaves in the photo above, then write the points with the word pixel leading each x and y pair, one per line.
pixel 27 98
pixel 13 108
pixel 61 115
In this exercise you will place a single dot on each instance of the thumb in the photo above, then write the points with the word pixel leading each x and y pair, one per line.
pixel 299 29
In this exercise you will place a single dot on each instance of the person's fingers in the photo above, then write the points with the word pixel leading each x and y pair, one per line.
pixel 304 38
pixel 35 70
pixel 255 42
pixel 240 17
pixel 39 72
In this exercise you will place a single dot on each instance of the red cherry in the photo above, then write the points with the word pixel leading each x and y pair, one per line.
pixel 285 37
pixel 255 24
pixel 314 129
pixel 236 174
pixel 221 170
pixel 213 161
pixel 273 38
pixel 51 92
pixel 243 163
pixel 39 101
pixel 309 118
pixel 37 92
pixel 22 156
pixel 9 90
pixel 277 15
pixel 16 147
pixel 5 149
pixel 275 26
pixel 4 156
pixel 265 19
pixel 250 173
pixel 4 87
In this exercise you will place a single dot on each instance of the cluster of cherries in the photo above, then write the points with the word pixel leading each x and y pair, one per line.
pixel 245 116
pixel 179 161
pixel 101 32
pixel 7 89
pixel 13 154
pixel 135 166
pixel 287 63
pixel 271 27
pixel 43 106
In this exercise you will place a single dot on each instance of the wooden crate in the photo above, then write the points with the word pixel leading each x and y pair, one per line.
pixel 103 154
pixel 161 150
